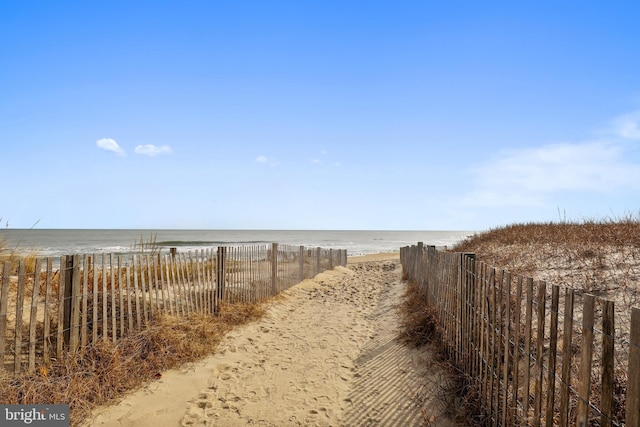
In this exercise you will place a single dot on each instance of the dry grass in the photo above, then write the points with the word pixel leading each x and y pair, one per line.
pixel 419 327
pixel 14 258
pixel 597 257
pixel 105 371
pixel 13 255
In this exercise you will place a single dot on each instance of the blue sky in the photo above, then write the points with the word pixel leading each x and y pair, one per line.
pixel 413 115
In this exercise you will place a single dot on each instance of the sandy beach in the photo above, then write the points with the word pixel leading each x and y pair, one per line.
pixel 325 354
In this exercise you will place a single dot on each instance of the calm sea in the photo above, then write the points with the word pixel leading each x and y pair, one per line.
pixel 56 242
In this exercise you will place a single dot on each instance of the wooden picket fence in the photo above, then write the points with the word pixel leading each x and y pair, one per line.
pixel 49 311
pixel 531 354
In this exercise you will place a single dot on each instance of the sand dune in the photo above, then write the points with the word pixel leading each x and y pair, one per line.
pixel 326 354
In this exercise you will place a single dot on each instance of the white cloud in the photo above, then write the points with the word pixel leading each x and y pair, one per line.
pixel 323 161
pixel 152 150
pixel 627 126
pixel 109 144
pixel 527 177
pixel 267 161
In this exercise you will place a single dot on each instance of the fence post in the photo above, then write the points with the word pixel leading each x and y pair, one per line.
pixel 553 351
pixel 566 357
pixel 633 383
pixel 608 375
pixel 105 329
pixel 17 345
pixel 582 418
pixel 301 264
pixel 74 302
pixel 274 268
pixel 466 313
pixel 508 338
pixel 406 257
pixel 114 313
pixel 220 275
pixel 318 254
pixel 330 259
pixel 4 302
pixel 417 272
pixel 68 282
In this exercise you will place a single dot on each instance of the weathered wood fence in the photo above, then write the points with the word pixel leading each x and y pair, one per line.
pixel 531 354
pixel 48 312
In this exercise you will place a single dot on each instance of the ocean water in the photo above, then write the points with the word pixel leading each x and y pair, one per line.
pixel 57 242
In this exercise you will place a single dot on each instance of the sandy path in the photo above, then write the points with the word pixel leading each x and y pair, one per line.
pixel 324 355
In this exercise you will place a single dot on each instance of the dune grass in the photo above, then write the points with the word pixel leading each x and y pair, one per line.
pixel 600 257
pixel 419 327
pixel 596 256
pixel 620 231
pixel 14 255
pixel 106 371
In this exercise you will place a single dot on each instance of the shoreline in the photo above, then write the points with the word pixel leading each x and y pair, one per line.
pixel 380 256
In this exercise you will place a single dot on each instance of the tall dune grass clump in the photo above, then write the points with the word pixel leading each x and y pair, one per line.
pixel 419 323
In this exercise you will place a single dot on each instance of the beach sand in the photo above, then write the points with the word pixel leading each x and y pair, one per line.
pixel 325 354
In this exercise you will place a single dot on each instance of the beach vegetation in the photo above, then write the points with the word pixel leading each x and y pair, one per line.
pixel 420 328
pixel 13 255
pixel 418 319
pixel 149 246
pixel 601 257
pixel 592 256
pixel 107 370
